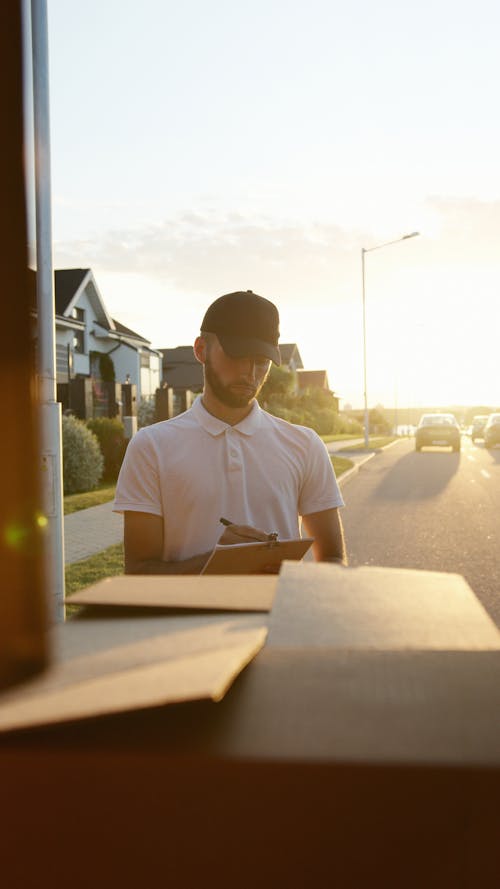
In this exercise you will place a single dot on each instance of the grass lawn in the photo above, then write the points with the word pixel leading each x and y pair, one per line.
pixel 82 574
pixel 74 502
pixel 375 442
pixel 340 464
pixel 342 436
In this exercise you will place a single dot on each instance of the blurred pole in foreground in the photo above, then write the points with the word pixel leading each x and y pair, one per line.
pixel 51 433
pixel 23 604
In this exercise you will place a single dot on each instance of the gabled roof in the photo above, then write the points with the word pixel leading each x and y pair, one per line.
pixel 67 282
pixel 181 370
pixel 312 379
pixel 126 331
pixel 68 285
pixel 290 352
pixel 179 355
pixel 184 376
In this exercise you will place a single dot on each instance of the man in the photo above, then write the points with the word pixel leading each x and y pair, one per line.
pixel 226 457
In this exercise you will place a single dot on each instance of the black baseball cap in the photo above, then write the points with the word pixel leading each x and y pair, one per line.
pixel 245 324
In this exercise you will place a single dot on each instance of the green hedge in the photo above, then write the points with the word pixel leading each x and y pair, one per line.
pixel 110 434
pixel 83 462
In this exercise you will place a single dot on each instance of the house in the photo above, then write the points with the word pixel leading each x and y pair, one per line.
pixel 96 354
pixel 312 379
pixel 290 356
pixel 315 379
pixel 180 369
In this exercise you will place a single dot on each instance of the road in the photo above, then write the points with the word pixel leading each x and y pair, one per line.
pixel 432 510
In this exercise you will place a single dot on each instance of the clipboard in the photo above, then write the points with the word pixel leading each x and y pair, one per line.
pixel 256 557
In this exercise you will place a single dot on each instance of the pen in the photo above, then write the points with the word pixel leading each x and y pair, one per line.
pixel 272 536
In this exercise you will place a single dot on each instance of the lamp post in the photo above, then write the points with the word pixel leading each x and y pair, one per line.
pixel 363 251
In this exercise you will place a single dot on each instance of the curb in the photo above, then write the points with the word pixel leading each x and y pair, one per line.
pixel 354 470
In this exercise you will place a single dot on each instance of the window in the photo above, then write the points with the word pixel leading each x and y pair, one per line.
pixel 79 341
pixel 145 359
pixel 62 362
pixel 79 314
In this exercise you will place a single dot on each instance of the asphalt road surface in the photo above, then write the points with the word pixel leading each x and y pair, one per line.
pixel 432 510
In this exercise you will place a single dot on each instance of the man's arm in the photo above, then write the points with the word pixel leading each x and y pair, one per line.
pixel 143 540
pixel 326 528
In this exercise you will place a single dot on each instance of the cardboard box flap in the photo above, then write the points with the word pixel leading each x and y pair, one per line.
pixel 192 592
pixel 329 606
pixel 199 663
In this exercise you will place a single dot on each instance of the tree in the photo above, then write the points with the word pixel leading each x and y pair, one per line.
pixel 378 422
pixel 280 382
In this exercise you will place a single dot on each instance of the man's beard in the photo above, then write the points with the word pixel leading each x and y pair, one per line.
pixel 225 394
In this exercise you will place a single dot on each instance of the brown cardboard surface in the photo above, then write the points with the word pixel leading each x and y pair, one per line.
pixel 251 558
pixel 191 662
pixel 320 605
pixel 386 707
pixel 241 593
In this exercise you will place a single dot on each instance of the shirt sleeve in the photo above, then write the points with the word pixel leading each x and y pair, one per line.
pixel 138 487
pixel 320 489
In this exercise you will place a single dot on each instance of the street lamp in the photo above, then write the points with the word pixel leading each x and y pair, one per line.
pixel 363 251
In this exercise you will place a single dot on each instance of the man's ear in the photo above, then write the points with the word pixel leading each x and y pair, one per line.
pixel 200 349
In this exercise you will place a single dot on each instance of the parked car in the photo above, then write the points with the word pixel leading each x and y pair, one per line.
pixel 440 430
pixel 478 424
pixel 492 431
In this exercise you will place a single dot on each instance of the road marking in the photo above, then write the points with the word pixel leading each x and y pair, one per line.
pixel 485 473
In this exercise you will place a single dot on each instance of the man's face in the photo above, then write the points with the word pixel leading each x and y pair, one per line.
pixel 234 381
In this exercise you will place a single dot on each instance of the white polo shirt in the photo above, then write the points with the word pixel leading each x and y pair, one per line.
pixel 194 468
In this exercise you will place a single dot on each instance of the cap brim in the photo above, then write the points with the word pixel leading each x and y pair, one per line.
pixel 246 347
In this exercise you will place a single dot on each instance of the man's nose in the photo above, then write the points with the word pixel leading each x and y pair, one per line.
pixel 248 367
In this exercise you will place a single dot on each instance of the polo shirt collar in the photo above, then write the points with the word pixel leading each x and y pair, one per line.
pixel 214 426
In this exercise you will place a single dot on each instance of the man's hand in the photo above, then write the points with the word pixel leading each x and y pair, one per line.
pixel 248 534
pixel 241 534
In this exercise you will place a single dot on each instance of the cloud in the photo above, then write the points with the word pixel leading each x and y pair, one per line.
pixel 300 263
pixel 209 252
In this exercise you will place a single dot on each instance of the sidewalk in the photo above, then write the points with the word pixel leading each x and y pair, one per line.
pixel 89 531
pixel 343 445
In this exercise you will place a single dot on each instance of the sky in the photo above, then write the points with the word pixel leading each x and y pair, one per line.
pixel 199 148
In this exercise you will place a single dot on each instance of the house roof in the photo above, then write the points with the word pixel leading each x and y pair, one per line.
pixel 181 370
pixel 67 282
pixel 289 351
pixel 126 331
pixel 184 376
pixel 179 355
pixel 312 379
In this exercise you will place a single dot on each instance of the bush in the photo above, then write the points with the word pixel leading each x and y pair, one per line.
pixel 280 382
pixel 350 425
pixel 324 421
pixel 83 462
pixel 111 437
